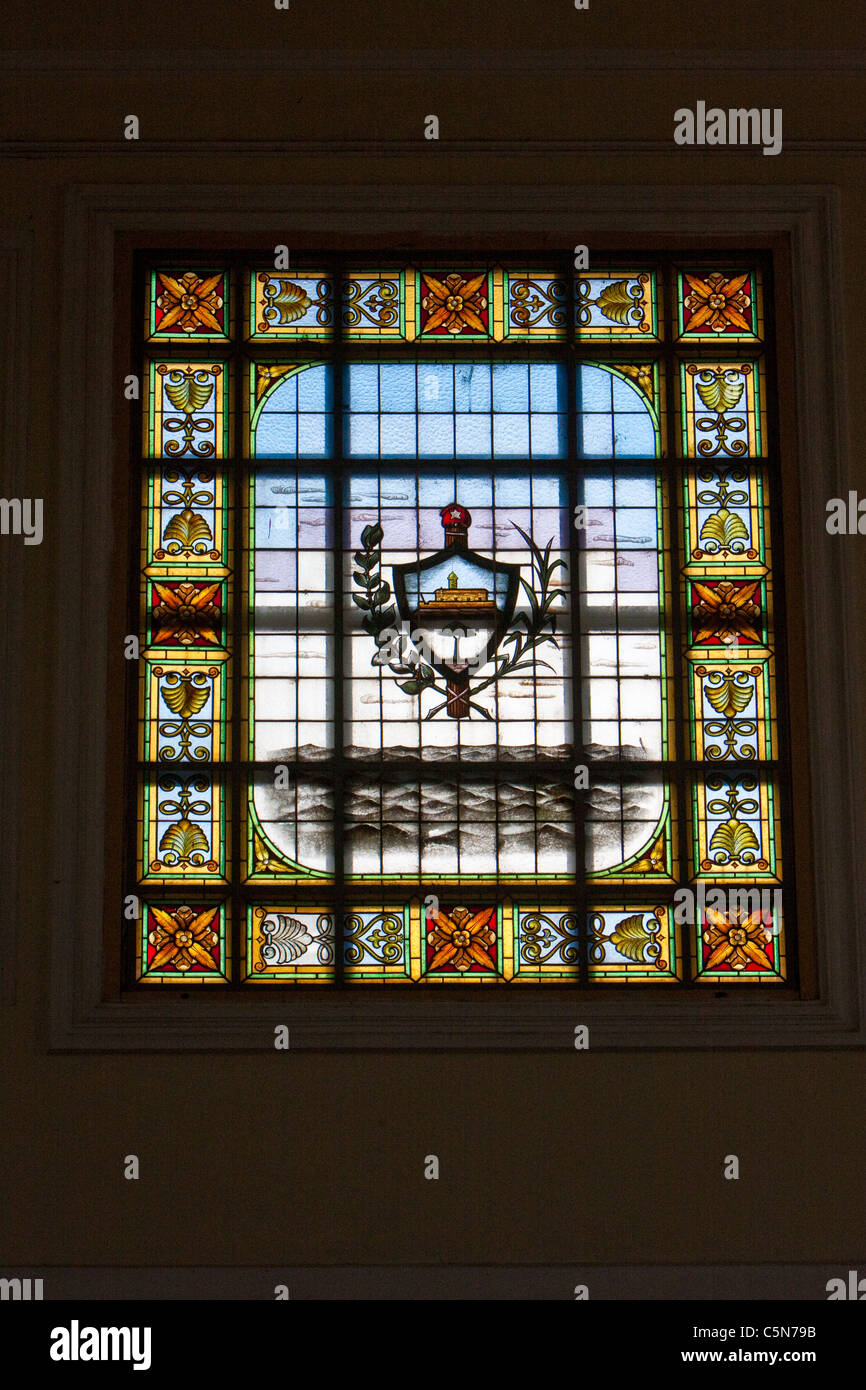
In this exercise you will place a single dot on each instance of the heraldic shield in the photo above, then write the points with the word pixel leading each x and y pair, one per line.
pixel 460 603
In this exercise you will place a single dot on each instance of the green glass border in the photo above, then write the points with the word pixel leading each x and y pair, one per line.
pixel 514 334
pixel 755 471
pixel 756 457
pixel 468 976
pixel 148 778
pixel 197 565
pixel 185 979
pixel 765 629
pixel 653 408
pixel 638 972
pixel 664 822
pixel 770 852
pixel 220 438
pixel 777 972
pixel 304 976
pixel 705 337
pixel 452 339
pixel 373 335
pixel 254 825
pixel 766 713
pixel 152 337
pixel 615 334
pixel 378 972
pixel 218 719
pixel 313 333
pixel 200 581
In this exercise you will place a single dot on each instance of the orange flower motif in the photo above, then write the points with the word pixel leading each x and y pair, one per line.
pixel 455 303
pixel 717 302
pixel 461 939
pixel 182 939
pixel 736 943
pixel 186 613
pixel 190 302
pixel 726 610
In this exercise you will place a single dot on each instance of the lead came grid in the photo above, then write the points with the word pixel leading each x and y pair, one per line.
pixel 531 429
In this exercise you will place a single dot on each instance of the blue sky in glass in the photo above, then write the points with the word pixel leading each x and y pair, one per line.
pixel 614 418
pixel 292 515
pixel 454 410
pixel 497 504
pixel 469 575
pixel 296 419
pixel 634 494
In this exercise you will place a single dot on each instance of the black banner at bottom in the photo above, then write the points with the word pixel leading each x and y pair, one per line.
pixel 179 1338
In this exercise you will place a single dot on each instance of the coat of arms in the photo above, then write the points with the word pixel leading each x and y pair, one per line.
pixel 456 611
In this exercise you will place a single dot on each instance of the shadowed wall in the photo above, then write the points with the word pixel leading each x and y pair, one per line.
pixel 300 1159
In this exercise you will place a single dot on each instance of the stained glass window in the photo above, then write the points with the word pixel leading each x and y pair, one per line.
pixel 460 660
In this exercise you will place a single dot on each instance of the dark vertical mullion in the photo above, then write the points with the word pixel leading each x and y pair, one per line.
pixel 573 360
pixel 673 476
pixel 338 474
pixel 238 790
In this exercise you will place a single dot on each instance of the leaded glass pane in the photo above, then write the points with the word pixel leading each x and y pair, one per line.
pixel 459 642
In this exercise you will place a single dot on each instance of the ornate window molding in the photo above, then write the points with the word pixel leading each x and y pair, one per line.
pixel 102 223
